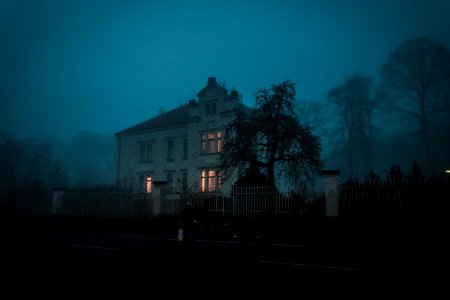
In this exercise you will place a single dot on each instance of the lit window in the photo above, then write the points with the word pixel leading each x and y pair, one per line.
pixel 148 184
pixel 210 181
pixel 219 142
pixel 211 142
pixel 203 181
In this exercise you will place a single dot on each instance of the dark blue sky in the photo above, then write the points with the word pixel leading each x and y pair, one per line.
pixel 106 65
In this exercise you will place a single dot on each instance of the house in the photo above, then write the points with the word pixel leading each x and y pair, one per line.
pixel 181 146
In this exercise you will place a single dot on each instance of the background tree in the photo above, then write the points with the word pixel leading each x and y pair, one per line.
pixel 416 82
pixel 91 160
pixel 24 166
pixel 355 106
pixel 271 138
pixel 24 162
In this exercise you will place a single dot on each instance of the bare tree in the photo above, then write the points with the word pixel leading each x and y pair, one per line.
pixel 355 107
pixel 271 138
pixel 416 82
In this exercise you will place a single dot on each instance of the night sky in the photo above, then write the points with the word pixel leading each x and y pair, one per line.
pixel 103 66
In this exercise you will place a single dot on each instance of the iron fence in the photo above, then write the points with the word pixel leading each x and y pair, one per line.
pixel 425 196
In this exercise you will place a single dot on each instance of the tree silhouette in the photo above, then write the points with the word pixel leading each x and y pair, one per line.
pixel 416 82
pixel 355 106
pixel 271 138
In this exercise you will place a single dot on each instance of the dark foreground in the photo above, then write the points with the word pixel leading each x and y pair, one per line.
pixel 75 253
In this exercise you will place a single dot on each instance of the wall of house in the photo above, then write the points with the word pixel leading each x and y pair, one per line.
pixel 131 170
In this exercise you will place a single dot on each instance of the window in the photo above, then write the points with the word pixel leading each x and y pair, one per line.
pixel 219 180
pixel 185 149
pixel 148 184
pixel 145 183
pixel 170 150
pixel 210 181
pixel 210 108
pixel 219 142
pixel 169 180
pixel 211 145
pixel 146 152
pixel 211 142
pixel 203 143
pixel 184 179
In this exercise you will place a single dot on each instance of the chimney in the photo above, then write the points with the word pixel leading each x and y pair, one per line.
pixel 234 95
pixel 212 81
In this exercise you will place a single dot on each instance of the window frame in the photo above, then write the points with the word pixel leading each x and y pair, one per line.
pixel 170 150
pixel 185 148
pixel 210 180
pixel 211 142
pixel 146 152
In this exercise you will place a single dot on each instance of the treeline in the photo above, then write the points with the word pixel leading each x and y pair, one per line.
pixel 396 194
pixel 403 116
pixel 395 177
pixel 85 159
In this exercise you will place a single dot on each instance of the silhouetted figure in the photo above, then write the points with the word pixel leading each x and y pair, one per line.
pixel 187 221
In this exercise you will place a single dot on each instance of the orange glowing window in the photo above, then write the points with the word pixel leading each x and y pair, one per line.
pixel 211 142
pixel 210 181
pixel 148 184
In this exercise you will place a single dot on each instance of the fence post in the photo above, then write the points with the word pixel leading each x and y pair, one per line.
pixel 57 200
pixel 331 178
pixel 159 196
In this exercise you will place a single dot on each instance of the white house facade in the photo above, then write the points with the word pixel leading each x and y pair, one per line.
pixel 180 147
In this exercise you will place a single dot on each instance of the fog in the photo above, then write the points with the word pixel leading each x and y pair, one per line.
pixel 69 68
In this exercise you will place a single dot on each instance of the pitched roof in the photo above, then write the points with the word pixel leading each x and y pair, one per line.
pixel 177 116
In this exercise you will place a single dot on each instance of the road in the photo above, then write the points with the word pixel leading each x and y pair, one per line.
pixel 73 256
pixel 66 252
pixel 79 259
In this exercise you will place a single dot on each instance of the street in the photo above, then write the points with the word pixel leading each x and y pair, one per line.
pixel 103 253
pixel 101 259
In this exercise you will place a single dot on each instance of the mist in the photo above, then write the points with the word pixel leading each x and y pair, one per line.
pixel 98 67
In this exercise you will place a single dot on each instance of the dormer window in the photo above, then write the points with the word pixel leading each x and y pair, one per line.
pixel 210 108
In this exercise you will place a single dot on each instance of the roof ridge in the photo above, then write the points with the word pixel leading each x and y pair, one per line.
pixel 178 115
